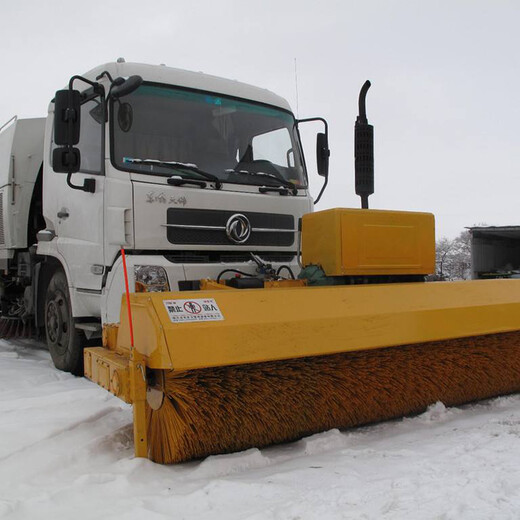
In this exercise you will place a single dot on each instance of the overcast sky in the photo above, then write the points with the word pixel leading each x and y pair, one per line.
pixel 445 81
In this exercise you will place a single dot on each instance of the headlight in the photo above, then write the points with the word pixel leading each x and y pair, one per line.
pixel 150 278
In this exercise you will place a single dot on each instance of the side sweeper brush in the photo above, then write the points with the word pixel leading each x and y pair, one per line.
pixel 224 369
pixel 14 327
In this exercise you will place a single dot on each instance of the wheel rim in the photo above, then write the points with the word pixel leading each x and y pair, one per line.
pixel 58 321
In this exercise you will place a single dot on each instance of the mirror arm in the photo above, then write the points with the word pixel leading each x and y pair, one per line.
pixel 308 119
pixel 94 84
pixel 89 185
pixel 113 84
pixel 103 74
pixel 97 87
pixel 73 186
pixel 317 199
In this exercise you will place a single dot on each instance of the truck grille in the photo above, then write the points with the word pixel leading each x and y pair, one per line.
pixel 226 257
pixel 208 227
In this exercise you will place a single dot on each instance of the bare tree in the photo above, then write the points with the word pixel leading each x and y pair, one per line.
pixel 453 257
pixel 443 247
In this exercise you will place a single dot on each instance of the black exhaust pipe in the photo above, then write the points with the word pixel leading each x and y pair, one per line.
pixel 364 150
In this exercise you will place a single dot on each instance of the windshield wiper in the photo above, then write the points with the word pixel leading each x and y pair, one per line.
pixel 177 180
pixel 192 168
pixel 281 182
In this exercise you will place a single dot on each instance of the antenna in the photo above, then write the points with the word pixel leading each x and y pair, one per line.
pixel 296 86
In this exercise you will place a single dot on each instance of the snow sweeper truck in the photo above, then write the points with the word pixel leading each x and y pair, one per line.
pixel 157 229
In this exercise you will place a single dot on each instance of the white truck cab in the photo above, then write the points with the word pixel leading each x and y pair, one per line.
pixel 189 173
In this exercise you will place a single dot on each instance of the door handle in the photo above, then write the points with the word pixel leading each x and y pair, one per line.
pixel 63 213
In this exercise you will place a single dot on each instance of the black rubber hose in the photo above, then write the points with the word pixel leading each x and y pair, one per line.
pixel 288 269
pixel 233 271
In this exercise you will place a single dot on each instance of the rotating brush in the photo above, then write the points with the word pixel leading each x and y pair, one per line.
pixel 226 409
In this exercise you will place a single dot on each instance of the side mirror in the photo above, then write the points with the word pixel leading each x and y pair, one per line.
pixel 122 87
pixel 322 154
pixel 66 159
pixel 67 119
pixel 67 124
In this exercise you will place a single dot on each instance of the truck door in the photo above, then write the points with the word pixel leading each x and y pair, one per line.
pixel 79 215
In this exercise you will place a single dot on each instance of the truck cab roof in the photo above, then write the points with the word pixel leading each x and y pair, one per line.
pixel 189 79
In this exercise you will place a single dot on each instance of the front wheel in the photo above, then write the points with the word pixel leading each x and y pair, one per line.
pixel 65 342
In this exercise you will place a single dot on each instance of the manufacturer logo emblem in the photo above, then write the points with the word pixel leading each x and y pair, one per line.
pixel 238 228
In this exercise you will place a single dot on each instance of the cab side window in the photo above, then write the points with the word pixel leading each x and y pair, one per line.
pixel 274 146
pixel 91 137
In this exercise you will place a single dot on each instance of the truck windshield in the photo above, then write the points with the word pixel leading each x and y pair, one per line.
pixel 227 137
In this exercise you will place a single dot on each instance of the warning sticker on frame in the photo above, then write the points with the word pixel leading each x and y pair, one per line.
pixel 200 309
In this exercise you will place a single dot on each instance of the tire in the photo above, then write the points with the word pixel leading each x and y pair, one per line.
pixel 65 342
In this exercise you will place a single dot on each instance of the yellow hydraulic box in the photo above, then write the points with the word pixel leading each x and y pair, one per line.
pixel 369 242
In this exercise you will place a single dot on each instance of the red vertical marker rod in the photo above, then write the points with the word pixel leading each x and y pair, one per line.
pixel 125 270
pixel 137 381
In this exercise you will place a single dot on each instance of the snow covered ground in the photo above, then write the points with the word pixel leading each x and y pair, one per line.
pixel 66 453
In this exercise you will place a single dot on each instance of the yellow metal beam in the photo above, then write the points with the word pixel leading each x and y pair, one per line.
pixel 261 325
pixel 138 386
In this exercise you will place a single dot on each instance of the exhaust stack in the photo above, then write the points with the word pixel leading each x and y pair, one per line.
pixel 364 150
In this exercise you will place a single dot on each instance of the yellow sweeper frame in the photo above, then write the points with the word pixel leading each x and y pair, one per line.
pixel 289 322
